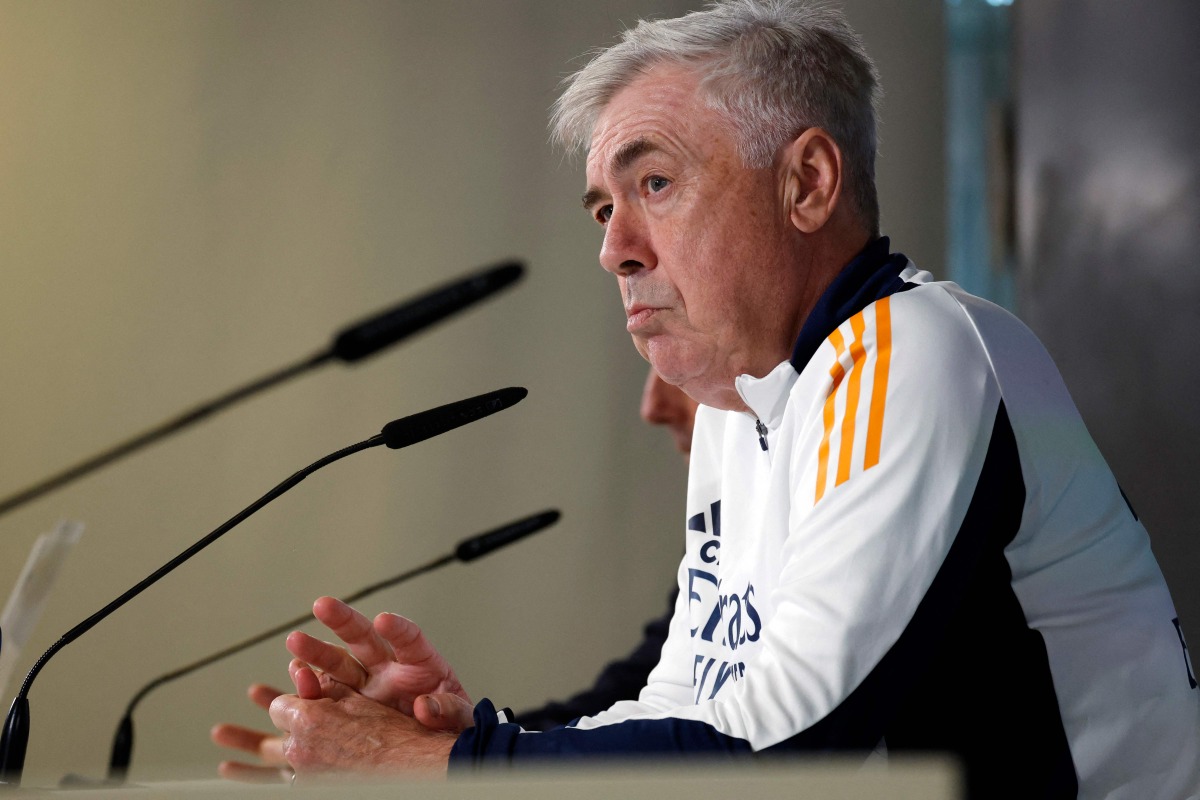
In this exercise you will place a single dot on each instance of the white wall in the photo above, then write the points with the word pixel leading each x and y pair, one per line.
pixel 192 193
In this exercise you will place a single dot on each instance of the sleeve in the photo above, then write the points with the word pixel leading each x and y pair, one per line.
pixel 619 680
pixel 893 482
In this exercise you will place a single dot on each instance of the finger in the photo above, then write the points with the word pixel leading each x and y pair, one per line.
pixel 239 738
pixel 270 750
pixel 444 712
pixel 411 647
pixel 293 667
pixel 355 630
pixel 327 658
pixel 407 640
pixel 262 695
pixel 333 689
pixel 252 773
pixel 313 685
pixel 308 685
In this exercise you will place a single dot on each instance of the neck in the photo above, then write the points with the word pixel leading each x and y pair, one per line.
pixel 820 257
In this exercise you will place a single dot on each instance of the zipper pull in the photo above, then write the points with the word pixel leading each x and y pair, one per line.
pixel 762 433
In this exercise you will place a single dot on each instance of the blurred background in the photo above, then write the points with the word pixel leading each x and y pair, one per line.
pixel 195 192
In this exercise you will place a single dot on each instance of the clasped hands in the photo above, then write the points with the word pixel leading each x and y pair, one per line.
pixel 387 702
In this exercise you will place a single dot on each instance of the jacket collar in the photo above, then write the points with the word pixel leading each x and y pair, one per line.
pixel 872 274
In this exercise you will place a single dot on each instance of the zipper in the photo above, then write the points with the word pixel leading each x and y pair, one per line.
pixel 762 433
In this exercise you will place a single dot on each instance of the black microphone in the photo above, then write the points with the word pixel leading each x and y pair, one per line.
pixel 466 551
pixel 388 327
pixel 349 345
pixel 402 432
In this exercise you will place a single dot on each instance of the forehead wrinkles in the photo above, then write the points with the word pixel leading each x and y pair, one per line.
pixel 663 110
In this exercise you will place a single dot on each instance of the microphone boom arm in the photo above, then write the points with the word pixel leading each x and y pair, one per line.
pixel 466 551
pixel 16 727
pixel 397 434
pixel 170 566
pixel 162 430
pixel 282 628
pixel 360 340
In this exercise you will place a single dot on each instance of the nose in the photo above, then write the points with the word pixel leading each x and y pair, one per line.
pixel 627 247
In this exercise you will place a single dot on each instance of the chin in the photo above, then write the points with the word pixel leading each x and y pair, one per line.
pixel 671 365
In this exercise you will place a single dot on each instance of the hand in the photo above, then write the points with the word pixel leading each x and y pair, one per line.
pixel 443 711
pixel 328 727
pixel 267 746
pixel 389 661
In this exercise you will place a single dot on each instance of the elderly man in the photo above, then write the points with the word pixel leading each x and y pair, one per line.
pixel 899 531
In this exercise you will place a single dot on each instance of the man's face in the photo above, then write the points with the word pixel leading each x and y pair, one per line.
pixel 667 405
pixel 709 266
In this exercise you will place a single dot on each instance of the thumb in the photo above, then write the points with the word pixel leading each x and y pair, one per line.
pixel 444 711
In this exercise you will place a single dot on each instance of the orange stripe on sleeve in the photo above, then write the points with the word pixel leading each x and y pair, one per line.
pixel 852 392
pixel 883 358
pixel 837 373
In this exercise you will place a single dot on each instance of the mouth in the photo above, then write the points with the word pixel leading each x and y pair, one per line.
pixel 639 316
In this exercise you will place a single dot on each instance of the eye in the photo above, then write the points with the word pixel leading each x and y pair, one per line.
pixel 604 214
pixel 656 183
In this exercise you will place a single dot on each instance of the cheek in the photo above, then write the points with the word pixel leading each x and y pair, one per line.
pixel 709 294
pixel 694 263
pixel 734 266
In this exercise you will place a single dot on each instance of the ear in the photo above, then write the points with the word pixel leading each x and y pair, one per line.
pixel 812 179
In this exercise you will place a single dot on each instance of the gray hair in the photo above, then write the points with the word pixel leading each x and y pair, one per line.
pixel 772 68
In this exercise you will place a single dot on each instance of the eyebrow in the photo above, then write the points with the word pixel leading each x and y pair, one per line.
pixel 626 154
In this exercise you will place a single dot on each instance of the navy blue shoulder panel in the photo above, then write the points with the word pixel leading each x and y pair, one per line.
pixel 967 675
pixel 872 275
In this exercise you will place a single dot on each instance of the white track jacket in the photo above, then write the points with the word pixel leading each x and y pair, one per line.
pixel 911 540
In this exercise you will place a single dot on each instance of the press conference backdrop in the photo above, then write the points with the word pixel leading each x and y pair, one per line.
pixel 193 193
pixel 1108 177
